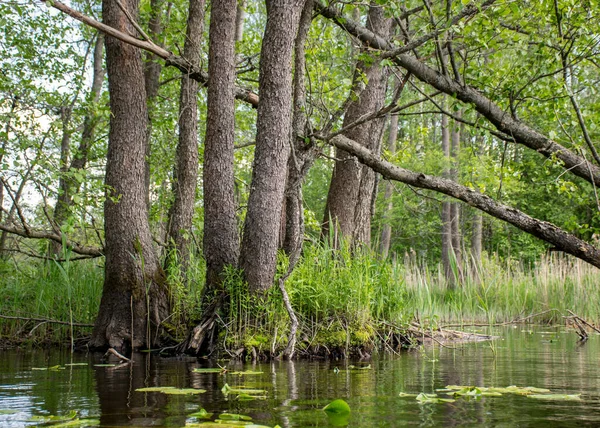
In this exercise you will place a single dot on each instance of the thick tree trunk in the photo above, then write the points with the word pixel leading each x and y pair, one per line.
pixel 303 154
pixel 185 175
pixel 274 123
pixel 134 297
pixel 68 186
pixel 352 185
pixel 221 241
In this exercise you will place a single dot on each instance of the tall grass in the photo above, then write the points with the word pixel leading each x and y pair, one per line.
pixel 68 291
pixel 341 297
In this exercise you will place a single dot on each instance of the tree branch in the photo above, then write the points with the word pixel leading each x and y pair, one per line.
pixel 42 234
pixel 178 62
pixel 519 131
pixel 546 231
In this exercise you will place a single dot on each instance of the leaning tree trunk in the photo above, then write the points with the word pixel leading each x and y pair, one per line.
pixel 348 204
pixel 185 176
pixel 134 297
pixel 274 123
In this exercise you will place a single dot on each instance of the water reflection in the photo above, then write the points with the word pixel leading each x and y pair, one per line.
pixel 297 391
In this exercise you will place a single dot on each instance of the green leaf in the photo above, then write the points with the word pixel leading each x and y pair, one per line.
pixel 338 406
pixel 556 397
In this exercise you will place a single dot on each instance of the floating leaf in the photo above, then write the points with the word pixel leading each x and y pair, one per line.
pixel 496 392
pixel 8 411
pixel 432 398
pixel 407 395
pixel 229 390
pixel 183 391
pixel 338 406
pixel 226 424
pixel 556 397
pixel 53 418
pixel 52 368
pixel 105 365
pixel 246 373
pixel 155 389
pixel 234 417
pixel 201 414
pixel 76 364
pixel 172 390
pixel 248 397
pixel 79 423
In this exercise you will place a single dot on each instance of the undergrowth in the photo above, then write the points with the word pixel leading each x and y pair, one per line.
pixel 344 300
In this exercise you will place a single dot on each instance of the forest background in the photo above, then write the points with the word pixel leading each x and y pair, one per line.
pixel 224 173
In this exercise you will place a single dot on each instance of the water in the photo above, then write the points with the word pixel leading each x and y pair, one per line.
pixel 297 391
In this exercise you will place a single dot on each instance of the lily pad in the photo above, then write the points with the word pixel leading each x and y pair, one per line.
pixel 407 395
pixel 234 417
pixel 556 397
pixel 105 365
pixel 338 406
pixel 8 411
pixel 172 390
pixel 76 364
pixel 433 399
pixel 79 423
pixel 72 414
pixel 155 389
pixel 229 390
pixel 201 414
pixel 51 368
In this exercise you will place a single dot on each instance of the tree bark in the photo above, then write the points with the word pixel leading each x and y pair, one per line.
pixel 221 241
pixel 455 206
pixel 546 231
pixel 386 232
pixel 134 296
pixel 303 153
pixel 447 249
pixel 240 17
pixel 185 175
pixel 274 123
pixel 351 188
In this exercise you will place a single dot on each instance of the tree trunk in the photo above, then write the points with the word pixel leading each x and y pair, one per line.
pixel 303 154
pixel 152 70
pixel 386 232
pixel 352 185
pixel 240 17
pixel 447 250
pixel 185 175
pixel 221 242
pixel 455 206
pixel 134 297
pixel 274 125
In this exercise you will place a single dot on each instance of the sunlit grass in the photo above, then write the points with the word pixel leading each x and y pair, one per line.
pixel 341 297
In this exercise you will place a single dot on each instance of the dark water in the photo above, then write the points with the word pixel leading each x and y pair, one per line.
pixel 297 391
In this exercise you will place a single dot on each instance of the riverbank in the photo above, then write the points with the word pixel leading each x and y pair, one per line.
pixel 347 304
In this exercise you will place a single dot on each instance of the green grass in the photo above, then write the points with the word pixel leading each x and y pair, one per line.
pixel 342 298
